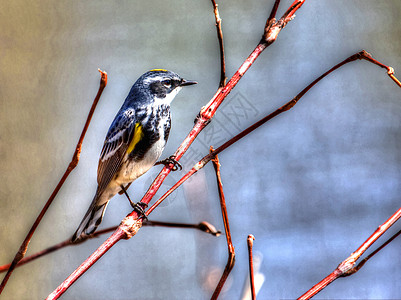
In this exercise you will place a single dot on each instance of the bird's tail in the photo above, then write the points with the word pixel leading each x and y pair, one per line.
pixel 91 221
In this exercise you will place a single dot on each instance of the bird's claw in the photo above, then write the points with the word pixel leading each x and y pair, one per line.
pixel 170 160
pixel 140 208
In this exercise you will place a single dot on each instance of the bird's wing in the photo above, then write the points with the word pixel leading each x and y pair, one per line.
pixel 124 133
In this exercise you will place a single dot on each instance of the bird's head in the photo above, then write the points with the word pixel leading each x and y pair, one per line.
pixel 161 85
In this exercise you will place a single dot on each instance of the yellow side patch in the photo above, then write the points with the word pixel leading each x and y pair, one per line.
pixel 138 135
pixel 158 70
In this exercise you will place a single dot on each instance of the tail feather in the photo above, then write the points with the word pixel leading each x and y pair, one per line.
pixel 91 221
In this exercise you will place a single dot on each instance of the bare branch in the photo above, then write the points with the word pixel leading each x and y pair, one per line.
pixel 230 246
pixel 250 240
pixel 202 226
pixel 223 77
pixel 273 12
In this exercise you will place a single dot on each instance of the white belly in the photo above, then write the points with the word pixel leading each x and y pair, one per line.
pixel 134 169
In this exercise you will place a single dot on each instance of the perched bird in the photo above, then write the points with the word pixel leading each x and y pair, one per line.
pixel 134 142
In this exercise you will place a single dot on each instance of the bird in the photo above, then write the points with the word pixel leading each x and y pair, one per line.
pixel 134 142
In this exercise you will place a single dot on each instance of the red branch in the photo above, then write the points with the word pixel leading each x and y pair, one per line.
pixel 85 265
pixel 223 77
pixel 346 267
pixel 250 240
pixel 231 251
pixel 74 162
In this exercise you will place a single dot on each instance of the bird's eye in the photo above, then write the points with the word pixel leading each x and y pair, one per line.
pixel 167 83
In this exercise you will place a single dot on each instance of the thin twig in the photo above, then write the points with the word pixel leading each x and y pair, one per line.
pixel 202 226
pixel 250 240
pixel 223 77
pixel 230 246
pixel 391 74
pixel 74 162
pixel 132 223
pixel 274 11
pixel 346 266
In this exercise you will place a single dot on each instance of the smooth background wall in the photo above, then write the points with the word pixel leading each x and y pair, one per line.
pixel 311 185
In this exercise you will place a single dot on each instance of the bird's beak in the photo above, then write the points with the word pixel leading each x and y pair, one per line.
pixel 187 82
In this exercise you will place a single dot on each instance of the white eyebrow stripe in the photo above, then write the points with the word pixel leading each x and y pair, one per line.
pixel 153 79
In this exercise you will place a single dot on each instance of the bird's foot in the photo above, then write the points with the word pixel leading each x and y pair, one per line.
pixel 140 208
pixel 170 160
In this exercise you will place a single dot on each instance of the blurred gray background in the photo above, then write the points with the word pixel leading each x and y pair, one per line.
pixel 311 185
